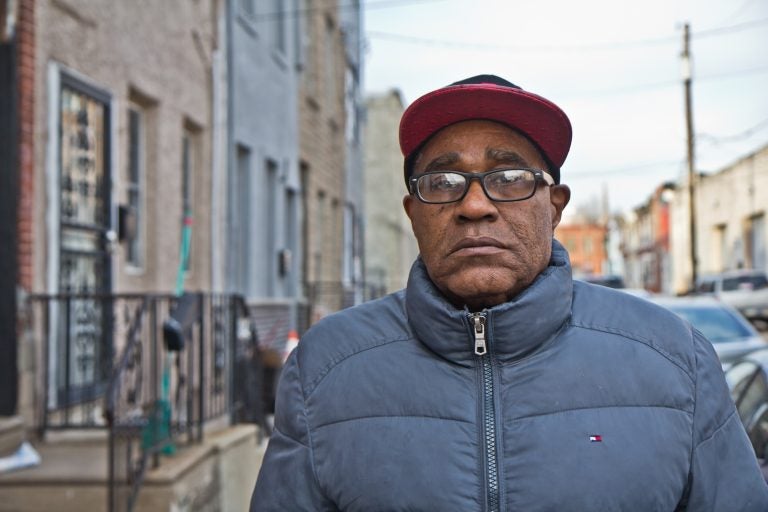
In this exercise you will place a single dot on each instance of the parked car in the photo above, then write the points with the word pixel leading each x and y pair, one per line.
pixel 747 379
pixel 730 333
pixel 609 280
pixel 745 290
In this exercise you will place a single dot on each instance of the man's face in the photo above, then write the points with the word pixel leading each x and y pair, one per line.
pixel 479 252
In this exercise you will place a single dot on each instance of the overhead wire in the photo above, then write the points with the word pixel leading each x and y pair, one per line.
pixel 600 46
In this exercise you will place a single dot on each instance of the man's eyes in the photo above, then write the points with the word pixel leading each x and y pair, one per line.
pixel 445 182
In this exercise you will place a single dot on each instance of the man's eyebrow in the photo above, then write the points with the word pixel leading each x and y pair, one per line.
pixel 441 162
pixel 506 156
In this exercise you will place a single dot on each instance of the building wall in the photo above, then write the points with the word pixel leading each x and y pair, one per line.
pixel 646 242
pixel 354 110
pixel 586 246
pixel 263 154
pixel 161 66
pixel 731 230
pixel 390 246
pixel 323 153
pixel 731 216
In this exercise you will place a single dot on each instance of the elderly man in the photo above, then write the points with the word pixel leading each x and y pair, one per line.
pixel 493 381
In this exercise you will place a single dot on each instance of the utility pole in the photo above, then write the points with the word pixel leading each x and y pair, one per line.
pixel 691 153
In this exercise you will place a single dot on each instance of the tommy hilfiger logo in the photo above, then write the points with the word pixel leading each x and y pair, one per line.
pixel 596 438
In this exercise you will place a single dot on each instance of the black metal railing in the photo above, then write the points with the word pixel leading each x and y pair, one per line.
pixel 105 365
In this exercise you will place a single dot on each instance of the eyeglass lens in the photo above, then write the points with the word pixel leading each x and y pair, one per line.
pixel 500 185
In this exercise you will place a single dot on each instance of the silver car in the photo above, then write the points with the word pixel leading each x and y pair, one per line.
pixel 730 333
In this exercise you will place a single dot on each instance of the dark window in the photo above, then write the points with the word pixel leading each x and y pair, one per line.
pixel 135 171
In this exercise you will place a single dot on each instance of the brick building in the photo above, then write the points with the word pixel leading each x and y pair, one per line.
pixel 586 245
pixel 330 114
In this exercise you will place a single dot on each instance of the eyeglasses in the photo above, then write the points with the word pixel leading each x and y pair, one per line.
pixel 505 185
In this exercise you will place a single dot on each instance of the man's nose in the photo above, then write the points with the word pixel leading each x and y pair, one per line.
pixel 476 204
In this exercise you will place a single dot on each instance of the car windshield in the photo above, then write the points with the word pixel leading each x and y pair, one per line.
pixel 717 324
pixel 754 282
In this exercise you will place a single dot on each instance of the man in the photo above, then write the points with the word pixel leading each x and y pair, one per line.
pixel 493 381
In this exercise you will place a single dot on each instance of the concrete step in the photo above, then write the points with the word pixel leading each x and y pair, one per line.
pixel 11 434
pixel 217 474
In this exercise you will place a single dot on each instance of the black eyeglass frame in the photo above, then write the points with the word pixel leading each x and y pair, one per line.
pixel 539 176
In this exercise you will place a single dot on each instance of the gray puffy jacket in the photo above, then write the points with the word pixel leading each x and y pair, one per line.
pixel 587 399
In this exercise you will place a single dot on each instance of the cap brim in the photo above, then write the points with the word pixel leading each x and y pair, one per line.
pixel 538 118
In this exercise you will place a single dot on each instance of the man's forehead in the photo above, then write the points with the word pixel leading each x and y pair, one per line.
pixel 500 155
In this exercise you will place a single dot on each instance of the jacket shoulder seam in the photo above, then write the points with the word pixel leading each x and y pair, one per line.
pixel 277 429
pixel 338 360
pixel 634 337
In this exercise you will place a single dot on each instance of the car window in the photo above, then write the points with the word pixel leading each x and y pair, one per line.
pixel 754 396
pixel 718 324
pixel 748 282
pixel 706 287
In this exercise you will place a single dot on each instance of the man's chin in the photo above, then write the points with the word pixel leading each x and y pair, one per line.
pixel 476 288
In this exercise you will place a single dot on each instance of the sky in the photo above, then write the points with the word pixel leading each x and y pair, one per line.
pixel 614 67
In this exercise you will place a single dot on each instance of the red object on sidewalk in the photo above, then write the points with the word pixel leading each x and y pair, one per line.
pixel 290 343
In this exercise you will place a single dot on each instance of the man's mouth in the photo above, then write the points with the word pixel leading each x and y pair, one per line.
pixel 476 246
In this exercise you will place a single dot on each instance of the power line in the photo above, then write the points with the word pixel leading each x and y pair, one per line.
pixel 560 48
pixel 507 48
pixel 623 171
pixel 639 88
pixel 730 28
pixel 715 140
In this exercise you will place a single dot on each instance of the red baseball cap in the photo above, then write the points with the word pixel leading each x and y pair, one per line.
pixel 492 98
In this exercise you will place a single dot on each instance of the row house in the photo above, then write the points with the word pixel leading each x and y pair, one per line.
pixel 211 147
pixel 331 109
pixel 586 244
pixel 645 242
pixel 729 227
pixel 390 246
pixel 731 230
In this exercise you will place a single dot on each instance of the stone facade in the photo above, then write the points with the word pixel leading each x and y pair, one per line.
pixel 331 225
pixel 731 227
pixel 390 246
pixel 160 68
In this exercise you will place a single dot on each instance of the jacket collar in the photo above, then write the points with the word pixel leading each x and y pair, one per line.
pixel 514 329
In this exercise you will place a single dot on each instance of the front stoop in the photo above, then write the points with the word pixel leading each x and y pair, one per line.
pixel 11 434
pixel 216 475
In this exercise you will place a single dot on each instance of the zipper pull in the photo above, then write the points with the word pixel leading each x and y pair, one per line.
pixel 478 324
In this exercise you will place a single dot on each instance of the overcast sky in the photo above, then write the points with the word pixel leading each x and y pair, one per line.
pixel 614 67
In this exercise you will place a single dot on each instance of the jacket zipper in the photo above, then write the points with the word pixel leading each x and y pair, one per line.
pixel 479 321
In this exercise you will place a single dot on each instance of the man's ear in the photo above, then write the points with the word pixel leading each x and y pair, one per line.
pixel 559 195
pixel 408 201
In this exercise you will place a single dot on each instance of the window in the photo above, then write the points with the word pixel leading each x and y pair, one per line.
pixel 278 24
pixel 348 261
pixel 756 241
pixel 330 64
pixel 134 185
pixel 350 106
pixel 322 221
pixel 308 47
pixel 248 8
pixel 272 218
pixel 289 252
pixel 720 252
pixel 241 223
